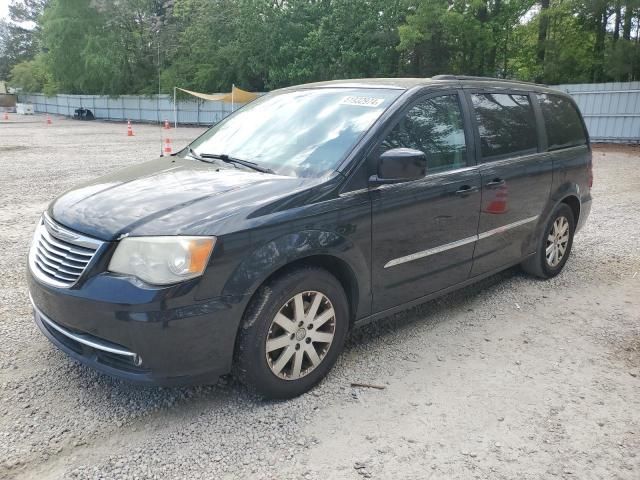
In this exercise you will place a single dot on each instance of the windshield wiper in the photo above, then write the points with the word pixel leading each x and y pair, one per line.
pixel 226 158
pixel 193 153
pixel 239 161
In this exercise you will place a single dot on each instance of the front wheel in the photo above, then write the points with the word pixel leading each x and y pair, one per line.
pixel 292 333
pixel 555 246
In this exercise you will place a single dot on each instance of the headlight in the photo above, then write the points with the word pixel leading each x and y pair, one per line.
pixel 162 260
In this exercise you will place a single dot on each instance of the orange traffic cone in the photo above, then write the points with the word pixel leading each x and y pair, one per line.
pixel 498 203
pixel 49 122
pixel 167 126
pixel 129 129
pixel 167 146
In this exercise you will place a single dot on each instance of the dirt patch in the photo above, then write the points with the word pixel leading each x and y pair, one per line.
pixel 628 349
pixel 13 148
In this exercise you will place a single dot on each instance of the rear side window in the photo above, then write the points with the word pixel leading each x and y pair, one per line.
pixel 562 122
pixel 435 127
pixel 506 123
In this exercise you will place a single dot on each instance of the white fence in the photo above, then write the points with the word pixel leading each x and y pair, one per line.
pixel 153 108
pixel 611 110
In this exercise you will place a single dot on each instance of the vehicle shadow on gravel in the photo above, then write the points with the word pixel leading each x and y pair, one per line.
pixel 430 313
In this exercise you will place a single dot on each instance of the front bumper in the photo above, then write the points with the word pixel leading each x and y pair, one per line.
pixel 138 333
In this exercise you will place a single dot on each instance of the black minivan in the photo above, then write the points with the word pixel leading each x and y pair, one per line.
pixel 305 213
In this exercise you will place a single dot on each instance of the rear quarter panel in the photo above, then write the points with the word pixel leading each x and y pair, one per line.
pixel 572 176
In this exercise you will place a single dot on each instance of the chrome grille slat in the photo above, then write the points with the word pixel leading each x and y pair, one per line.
pixel 56 266
pixel 53 272
pixel 61 259
pixel 59 256
pixel 52 241
pixel 60 252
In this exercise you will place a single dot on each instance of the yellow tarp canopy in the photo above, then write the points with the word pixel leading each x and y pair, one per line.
pixel 236 96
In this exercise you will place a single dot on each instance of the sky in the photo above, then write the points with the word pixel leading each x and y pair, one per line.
pixel 4 8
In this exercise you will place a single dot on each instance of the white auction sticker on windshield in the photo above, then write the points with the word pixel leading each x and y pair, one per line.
pixel 361 101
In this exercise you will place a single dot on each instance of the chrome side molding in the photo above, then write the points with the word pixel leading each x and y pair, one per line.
pixel 509 226
pixel 458 243
pixel 431 251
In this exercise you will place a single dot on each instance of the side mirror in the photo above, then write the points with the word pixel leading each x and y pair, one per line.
pixel 400 165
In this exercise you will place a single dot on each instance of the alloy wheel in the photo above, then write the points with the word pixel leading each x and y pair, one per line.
pixel 300 335
pixel 557 241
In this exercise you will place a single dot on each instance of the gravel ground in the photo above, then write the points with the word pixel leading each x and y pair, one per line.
pixel 511 378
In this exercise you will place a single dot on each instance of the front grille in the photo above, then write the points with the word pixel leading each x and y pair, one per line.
pixel 59 256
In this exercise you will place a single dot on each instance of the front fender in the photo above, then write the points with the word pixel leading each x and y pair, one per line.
pixel 258 265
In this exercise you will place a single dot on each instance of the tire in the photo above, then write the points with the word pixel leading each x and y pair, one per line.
pixel 287 367
pixel 540 264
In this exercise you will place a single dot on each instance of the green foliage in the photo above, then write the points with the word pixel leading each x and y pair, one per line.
pixel 568 48
pixel 622 60
pixel 100 47
pixel 19 36
pixel 32 76
pixel 460 37
pixel 340 40
pixel 115 47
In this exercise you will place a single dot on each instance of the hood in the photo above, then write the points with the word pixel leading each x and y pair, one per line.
pixel 171 196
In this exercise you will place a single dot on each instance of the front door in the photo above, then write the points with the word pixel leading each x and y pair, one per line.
pixel 424 231
pixel 516 179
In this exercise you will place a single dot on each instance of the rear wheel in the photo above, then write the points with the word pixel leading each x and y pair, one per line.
pixel 292 333
pixel 555 245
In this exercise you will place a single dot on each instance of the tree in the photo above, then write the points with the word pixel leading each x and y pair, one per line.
pixel 115 46
pixel 543 28
pixel 440 36
pixel 106 46
pixel 5 59
pixel 19 36
pixel 32 76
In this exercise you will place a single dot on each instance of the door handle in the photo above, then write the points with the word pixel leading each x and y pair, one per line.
pixel 466 190
pixel 496 182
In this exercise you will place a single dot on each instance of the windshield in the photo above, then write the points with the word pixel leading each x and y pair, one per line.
pixel 301 133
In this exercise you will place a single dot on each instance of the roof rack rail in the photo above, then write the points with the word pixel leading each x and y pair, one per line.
pixel 492 79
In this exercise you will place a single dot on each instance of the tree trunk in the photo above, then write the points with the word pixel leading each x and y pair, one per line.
pixel 618 18
pixel 628 16
pixel 598 47
pixel 505 63
pixel 495 33
pixel 542 38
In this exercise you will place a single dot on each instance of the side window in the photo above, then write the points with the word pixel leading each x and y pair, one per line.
pixel 435 127
pixel 506 123
pixel 562 122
